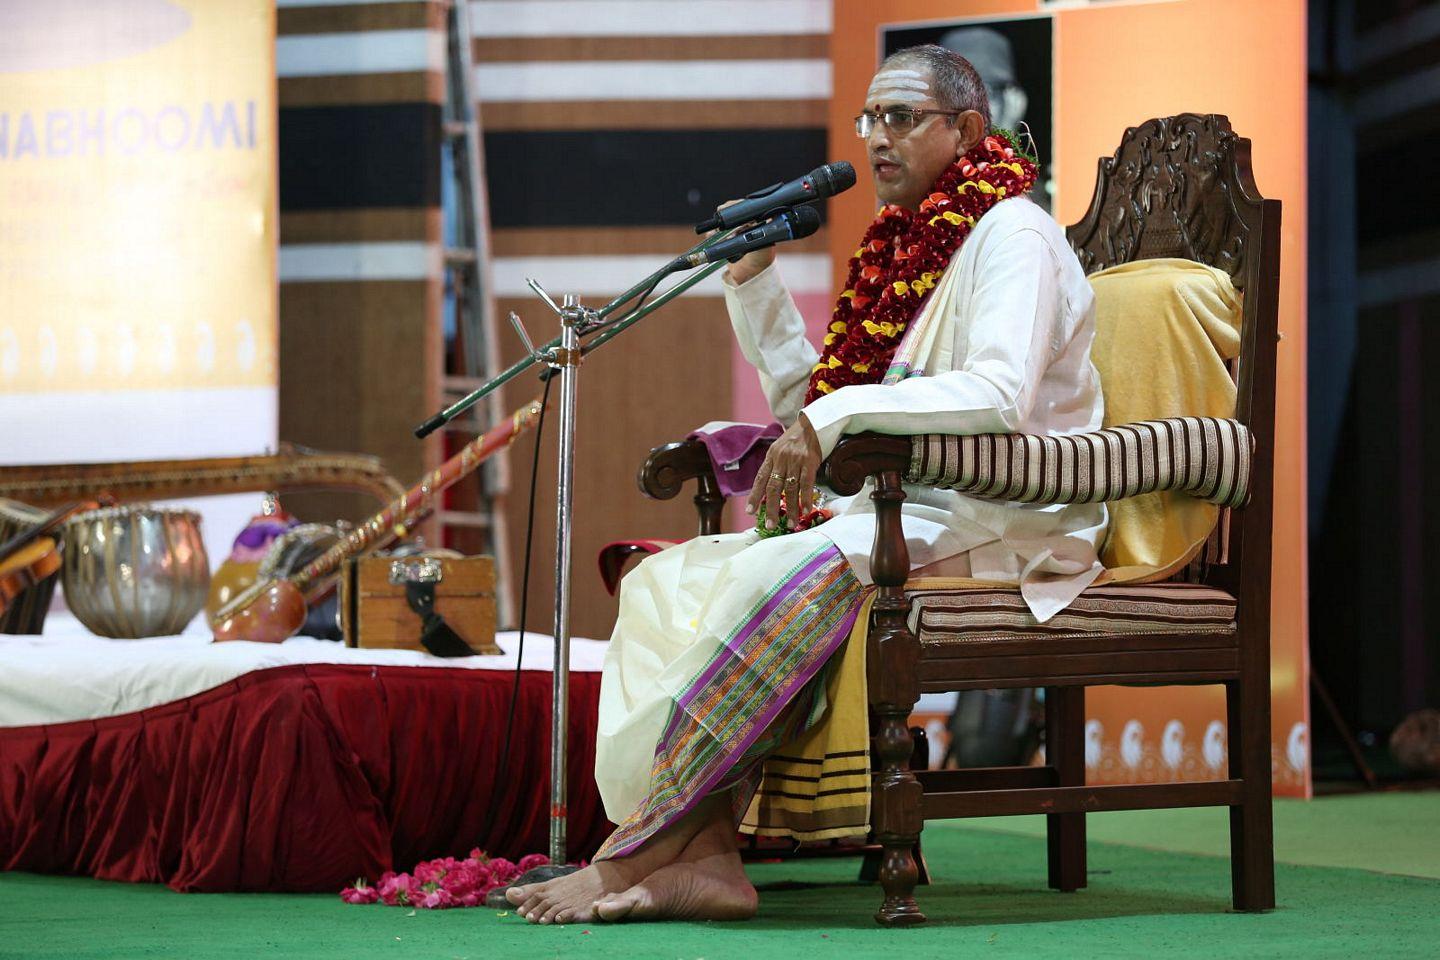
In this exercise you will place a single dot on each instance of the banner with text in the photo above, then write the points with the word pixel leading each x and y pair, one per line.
pixel 137 250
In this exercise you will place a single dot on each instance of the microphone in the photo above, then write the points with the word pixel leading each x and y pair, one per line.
pixel 789 225
pixel 821 182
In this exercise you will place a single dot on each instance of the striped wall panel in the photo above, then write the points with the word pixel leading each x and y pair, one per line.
pixel 360 92
pixel 611 127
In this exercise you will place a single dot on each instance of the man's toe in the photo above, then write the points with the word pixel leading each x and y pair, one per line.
pixel 617 906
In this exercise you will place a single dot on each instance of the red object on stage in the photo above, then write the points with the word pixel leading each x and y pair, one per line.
pixel 297 778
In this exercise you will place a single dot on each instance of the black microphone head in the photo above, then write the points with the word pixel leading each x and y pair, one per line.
pixel 806 221
pixel 833 178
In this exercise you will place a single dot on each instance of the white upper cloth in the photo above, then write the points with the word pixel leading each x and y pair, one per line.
pixel 1012 355
pixel 69 674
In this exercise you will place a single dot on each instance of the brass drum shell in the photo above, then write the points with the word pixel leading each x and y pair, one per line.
pixel 135 571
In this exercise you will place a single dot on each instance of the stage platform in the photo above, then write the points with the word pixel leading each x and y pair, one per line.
pixel 277 767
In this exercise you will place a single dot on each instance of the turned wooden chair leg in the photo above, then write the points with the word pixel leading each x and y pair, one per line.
pixel 897 820
pixel 1252 854
pixel 1065 751
pixel 892 667
pixel 919 760
pixel 870 866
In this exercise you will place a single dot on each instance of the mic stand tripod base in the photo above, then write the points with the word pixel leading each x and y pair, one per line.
pixel 549 871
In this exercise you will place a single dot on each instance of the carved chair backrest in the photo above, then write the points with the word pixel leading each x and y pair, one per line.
pixel 1182 186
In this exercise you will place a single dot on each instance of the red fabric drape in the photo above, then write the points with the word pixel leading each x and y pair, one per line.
pixel 297 778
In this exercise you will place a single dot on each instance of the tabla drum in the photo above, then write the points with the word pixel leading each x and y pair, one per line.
pixel 135 570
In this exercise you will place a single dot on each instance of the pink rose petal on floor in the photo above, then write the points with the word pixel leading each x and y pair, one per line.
pixel 443 882
pixel 360 893
pixel 503 871
pixel 437 900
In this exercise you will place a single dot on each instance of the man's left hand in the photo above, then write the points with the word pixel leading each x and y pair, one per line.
pixel 789 468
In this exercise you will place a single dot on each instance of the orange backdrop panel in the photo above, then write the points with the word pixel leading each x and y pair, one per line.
pixel 1117 64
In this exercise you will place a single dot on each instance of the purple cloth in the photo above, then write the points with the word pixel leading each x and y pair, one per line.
pixel 736 452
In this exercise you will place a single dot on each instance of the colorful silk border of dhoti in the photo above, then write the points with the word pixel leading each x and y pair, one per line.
pixel 721 724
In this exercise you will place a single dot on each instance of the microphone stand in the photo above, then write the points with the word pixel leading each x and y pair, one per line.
pixel 562 357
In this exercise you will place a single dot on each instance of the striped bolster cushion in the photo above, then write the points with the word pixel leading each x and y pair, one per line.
pixel 1114 608
pixel 1205 457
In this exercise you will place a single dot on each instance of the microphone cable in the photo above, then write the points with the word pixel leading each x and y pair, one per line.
pixel 494 805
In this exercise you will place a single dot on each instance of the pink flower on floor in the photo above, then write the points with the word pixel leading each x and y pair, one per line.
pixel 502 871
pixel 398 890
pixel 431 871
pixel 438 899
pixel 532 860
pixel 360 893
pixel 467 878
pixel 444 882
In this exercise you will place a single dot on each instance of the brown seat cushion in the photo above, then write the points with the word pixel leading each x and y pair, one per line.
pixel 1000 612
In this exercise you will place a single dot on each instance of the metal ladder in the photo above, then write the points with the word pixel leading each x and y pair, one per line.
pixel 473 520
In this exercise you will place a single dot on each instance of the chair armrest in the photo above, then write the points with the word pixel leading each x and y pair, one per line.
pixel 855 458
pixel 858 457
pixel 667 469
pixel 1206 457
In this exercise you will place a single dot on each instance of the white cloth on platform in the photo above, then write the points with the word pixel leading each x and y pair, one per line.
pixel 1012 355
pixel 69 674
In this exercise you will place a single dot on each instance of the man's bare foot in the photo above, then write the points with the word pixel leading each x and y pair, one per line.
pixel 714 888
pixel 571 898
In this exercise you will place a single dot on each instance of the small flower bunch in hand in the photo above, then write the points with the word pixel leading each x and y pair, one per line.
pixel 813 518
pixel 443 883
pixel 788 476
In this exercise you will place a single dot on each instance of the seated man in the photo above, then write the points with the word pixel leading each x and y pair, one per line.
pixel 965 311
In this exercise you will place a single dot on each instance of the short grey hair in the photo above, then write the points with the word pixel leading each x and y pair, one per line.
pixel 957 84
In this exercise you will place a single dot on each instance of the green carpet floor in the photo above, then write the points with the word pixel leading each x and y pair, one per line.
pixel 989 900
pixel 1391 832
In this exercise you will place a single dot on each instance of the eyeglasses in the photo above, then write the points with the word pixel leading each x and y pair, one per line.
pixel 898 122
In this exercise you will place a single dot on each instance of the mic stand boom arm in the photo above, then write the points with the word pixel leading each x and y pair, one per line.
pixel 611 329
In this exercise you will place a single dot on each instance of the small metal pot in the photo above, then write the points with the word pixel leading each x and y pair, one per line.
pixel 136 570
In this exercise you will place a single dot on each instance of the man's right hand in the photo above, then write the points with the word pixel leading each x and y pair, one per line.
pixel 750 265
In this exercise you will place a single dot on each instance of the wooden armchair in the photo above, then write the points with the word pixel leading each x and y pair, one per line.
pixel 1176 187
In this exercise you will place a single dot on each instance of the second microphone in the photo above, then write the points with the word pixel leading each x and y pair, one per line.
pixel 789 225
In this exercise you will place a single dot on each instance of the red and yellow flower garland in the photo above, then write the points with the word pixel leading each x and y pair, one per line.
pixel 902 257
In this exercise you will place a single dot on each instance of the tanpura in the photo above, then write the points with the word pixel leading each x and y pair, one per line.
pixel 272 611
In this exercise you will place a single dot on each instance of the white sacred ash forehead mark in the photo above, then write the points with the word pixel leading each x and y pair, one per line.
pixel 898 86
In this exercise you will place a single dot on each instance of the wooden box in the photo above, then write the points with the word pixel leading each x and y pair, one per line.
pixel 375 612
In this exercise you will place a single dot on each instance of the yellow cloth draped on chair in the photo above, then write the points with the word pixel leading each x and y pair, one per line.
pixel 1164 330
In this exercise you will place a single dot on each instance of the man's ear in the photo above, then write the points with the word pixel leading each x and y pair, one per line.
pixel 970 127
